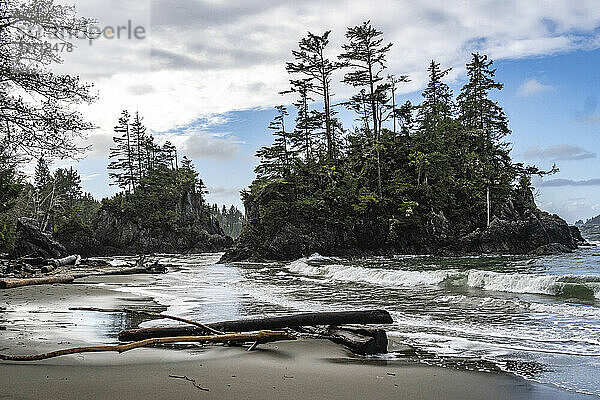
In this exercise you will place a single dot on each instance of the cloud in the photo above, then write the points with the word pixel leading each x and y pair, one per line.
pixel 533 86
pixel 570 182
pixel 207 57
pixel 85 178
pixel 205 145
pixel 559 152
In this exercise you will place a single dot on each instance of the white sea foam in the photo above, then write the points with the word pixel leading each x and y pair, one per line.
pixel 553 285
pixel 375 276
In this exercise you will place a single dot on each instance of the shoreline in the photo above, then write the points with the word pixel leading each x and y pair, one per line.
pixel 37 319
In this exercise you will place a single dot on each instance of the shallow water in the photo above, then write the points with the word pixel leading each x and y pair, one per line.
pixel 538 317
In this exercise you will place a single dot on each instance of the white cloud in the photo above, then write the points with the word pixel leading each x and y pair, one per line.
pixel 85 178
pixel 204 145
pixel 203 57
pixel 533 86
pixel 558 152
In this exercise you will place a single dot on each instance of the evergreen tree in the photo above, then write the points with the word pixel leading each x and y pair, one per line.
pixel 312 63
pixel 141 150
pixel 302 138
pixel 434 124
pixel 276 160
pixel 123 166
pixel 365 55
pixel 485 125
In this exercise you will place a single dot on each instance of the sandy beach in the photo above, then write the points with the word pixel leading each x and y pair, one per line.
pixel 37 319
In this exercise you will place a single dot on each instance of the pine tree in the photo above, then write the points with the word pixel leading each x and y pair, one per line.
pixel 312 63
pixel 301 138
pixel 138 133
pixel 122 165
pixel 486 125
pixel 276 160
pixel 365 55
pixel 434 124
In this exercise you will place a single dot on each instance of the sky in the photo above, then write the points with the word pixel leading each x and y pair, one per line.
pixel 205 74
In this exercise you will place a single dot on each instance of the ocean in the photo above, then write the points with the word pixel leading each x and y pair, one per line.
pixel 537 317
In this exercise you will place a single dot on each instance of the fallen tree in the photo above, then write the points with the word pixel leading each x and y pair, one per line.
pixel 13 283
pixel 261 337
pixel 257 324
pixel 45 280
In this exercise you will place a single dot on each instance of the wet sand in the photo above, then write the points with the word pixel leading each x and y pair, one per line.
pixel 37 319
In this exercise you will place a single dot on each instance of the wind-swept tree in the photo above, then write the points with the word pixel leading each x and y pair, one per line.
pixel 312 63
pixel 276 160
pixel 365 55
pixel 486 125
pixel 123 166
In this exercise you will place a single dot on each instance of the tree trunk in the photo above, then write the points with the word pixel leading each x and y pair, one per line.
pixel 288 321
pixel 13 283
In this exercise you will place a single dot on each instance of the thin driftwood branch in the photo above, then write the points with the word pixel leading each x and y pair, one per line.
pixel 149 313
pixel 261 337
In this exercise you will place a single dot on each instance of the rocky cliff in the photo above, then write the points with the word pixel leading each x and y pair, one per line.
pixel 513 230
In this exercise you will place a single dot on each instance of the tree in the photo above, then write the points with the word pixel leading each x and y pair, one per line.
pixel 276 159
pixel 122 165
pixel 141 149
pixel 434 119
pixel 486 125
pixel 312 63
pixel 36 113
pixel 365 55
pixel 306 122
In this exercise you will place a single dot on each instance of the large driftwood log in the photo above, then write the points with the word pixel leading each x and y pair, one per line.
pixel 151 269
pixel 358 340
pixel 257 338
pixel 46 280
pixel 247 325
pixel 12 283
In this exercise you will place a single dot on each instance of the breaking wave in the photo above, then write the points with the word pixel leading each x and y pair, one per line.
pixel 568 286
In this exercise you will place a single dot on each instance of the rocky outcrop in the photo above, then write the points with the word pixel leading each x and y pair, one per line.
pixel 521 234
pixel 35 243
pixel 513 230
pixel 113 234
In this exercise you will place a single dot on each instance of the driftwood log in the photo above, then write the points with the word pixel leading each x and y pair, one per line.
pixel 257 338
pixel 248 325
pixel 46 280
pixel 358 340
pixel 13 283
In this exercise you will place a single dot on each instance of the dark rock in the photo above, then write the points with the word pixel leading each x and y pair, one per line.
pixel 577 237
pixel 517 227
pixel 551 249
pixel 33 242
pixel 116 234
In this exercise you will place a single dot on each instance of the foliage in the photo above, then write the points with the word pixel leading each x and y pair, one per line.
pixel 35 104
pixel 431 172
pixel 231 220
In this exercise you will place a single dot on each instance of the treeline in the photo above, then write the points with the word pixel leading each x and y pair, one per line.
pixel 55 199
pixel 231 220
pixel 403 167
pixel 136 155
pixel 159 190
